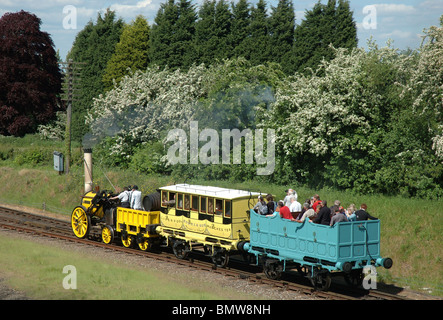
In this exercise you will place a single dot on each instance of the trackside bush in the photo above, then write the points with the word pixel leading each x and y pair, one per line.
pixel 32 157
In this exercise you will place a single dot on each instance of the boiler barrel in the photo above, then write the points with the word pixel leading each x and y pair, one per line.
pixel 151 202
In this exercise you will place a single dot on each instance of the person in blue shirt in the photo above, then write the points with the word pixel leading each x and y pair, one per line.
pixel 351 212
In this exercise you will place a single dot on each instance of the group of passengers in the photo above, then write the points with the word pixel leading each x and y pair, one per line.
pixel 130 197
pixel 314 209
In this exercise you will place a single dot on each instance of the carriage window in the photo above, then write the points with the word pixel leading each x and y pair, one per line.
pixel 164 197
pixel 194 204
pixel 227 209
pixel 219 206
pixel 187 201
pixel 171 196
pixel 203 204
pixel 180 201
pixel 210 205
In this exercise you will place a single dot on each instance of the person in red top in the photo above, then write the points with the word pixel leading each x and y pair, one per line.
pixel 285 213
pixel 316 202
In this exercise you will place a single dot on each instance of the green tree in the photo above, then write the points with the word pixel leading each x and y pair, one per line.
pixel 184 53
pixel 213 31
pixel 223 25
pixel 173 33
pixel 258 41
pixel 413 145
pixel 308 38
pixel 161 33
pixel 345 31
pixel 240 28
pixel 281 29
pixel 131 53
pixel 323 25
pixel 205 38
pixel 94 46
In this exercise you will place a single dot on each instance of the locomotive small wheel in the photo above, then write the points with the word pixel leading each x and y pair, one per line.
pixel 108 234
pixel 128 242
pixel 80 222
pixel 145 245
pixel 179 249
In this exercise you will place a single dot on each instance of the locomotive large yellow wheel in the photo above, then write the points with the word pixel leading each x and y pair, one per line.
pixel 145 244
pixel 107 234
pixel 80 222
pixel 127 241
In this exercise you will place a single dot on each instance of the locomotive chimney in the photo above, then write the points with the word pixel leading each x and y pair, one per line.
pixel 88 169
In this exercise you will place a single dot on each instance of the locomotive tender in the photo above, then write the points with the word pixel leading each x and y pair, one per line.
pixel 219 222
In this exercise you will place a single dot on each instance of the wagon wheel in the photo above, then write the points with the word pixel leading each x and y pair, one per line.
pixel 145 245
pixel 354 278
pixel 272 270
pixel 180 249
pixel 302 270
pixel 108 234
pixel 320 280
pixel 80 222
pixel 127 241
pixel 220 258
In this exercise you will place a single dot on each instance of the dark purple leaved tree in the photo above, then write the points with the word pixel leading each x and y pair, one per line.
pixel 30 77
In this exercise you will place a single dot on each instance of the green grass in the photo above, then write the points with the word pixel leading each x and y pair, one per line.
pixel 37 270
pixel 411 229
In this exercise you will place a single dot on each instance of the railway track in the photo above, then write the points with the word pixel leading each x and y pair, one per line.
pixel 60 229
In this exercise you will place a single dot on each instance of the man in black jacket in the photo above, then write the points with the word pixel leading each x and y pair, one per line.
pixel 362 214
pixel 324 215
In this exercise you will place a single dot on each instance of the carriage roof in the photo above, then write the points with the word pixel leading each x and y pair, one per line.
pixel 210 191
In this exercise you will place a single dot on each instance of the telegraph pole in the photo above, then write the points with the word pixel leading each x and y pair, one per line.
pixel 72 71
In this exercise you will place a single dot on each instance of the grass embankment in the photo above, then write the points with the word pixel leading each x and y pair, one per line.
pixel 411 229
pixel 38 272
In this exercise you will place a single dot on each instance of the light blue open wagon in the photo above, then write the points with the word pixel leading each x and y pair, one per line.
pixel 317 251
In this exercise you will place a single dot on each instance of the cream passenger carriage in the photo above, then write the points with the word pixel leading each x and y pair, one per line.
pixel 202 217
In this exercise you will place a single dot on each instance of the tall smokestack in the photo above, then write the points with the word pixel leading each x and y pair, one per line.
pixel 88 169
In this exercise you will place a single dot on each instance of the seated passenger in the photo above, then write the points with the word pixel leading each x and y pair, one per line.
pixel 316 202
pixel 276 211
pixel 336 203
pixel 362 214
pixel 261 207
pixel 272 205
pixel 295 206
pixel 308 213
pixel 287 199
pixel 170 203
pixel 350 213
pixel 284 211
pixel 324 215
pixel 339 216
